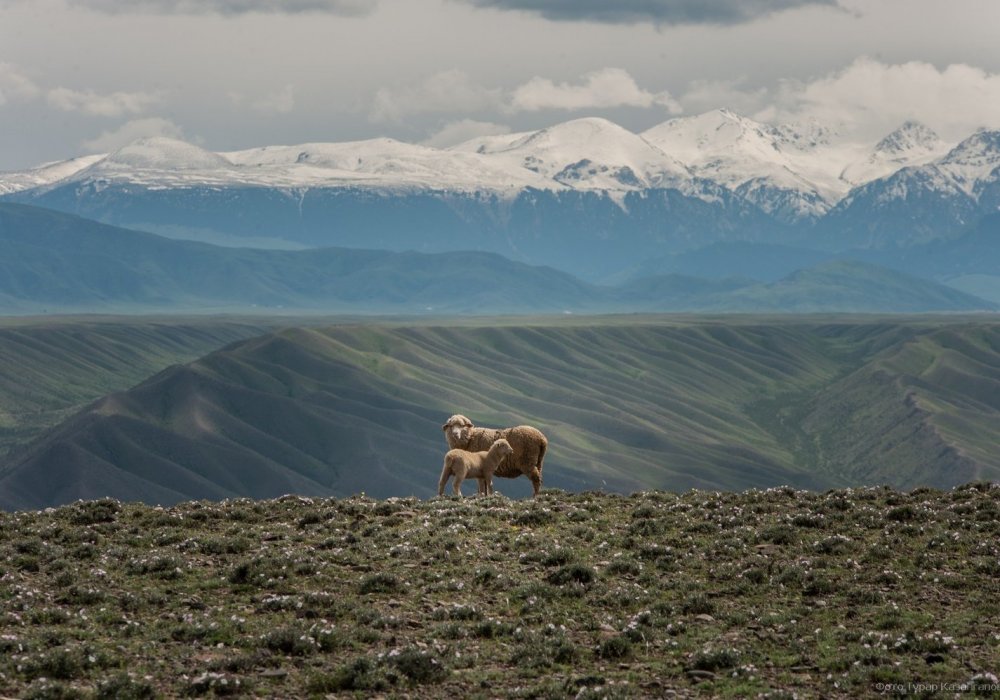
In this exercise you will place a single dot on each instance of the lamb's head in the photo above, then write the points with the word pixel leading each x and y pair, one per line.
pixel 502 448
pixel 457 430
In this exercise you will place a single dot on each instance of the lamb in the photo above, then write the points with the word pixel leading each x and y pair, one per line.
pixel 529 447
pixel 479 465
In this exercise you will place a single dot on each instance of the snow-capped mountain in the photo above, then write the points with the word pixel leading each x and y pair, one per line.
pixel 45 174
pixel 589 154
pixel 586 195
pixel 920 203
pixel 756 160
pixel 911 144
pixel 378 163
pixel 792 172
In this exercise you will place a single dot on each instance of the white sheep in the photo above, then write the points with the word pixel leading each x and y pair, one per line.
pixel 529 447
pixel 478 465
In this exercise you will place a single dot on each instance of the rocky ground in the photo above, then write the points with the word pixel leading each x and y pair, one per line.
pixel 776 593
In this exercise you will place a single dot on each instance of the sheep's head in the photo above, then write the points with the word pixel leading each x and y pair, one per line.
pixel 457 430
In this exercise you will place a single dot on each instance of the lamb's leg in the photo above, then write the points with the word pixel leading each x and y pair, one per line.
pixel 445 473
pixel 460 472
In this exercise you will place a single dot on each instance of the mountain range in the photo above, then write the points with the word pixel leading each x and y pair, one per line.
pixel 587 196
pixel 628 403
pixel 55 262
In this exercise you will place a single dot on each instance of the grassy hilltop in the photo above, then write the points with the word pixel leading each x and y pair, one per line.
pixel 778 592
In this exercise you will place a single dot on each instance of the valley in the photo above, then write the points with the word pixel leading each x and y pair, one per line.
pixel 628 403
pixel 52 367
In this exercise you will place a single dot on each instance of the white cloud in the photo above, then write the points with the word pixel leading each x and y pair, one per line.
pixel 447 91
pixel 462 130
pixel 871 98
pixel 114 104
pixel 608 87
pixel 454 91
pixel 131 131
pixel 14 86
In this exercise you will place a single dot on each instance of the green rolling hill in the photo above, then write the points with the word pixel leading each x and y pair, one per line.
pixel 628 403
pixel 51 368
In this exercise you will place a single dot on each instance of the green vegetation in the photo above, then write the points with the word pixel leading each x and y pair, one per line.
pixel 628 403
pixel 51 368
pixel 763 593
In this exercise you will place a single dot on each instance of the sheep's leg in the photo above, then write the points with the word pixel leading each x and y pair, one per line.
pixel 536 473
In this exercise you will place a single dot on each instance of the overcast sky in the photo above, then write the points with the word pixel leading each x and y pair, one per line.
pixel 87 76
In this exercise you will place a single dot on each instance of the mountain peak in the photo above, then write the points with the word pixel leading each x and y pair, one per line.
pixel 578 131
pixel 912 143
pixel 163 153
pixel 709 133
pixel 911 135
pixel 595 153
pixel 982 148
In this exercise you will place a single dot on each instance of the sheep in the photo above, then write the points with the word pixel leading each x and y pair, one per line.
pixel 479 465
pixel 529 447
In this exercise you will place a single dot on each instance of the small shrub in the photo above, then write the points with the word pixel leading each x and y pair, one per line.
pixel 45 689
pixel 61 664
pixel 624 567
pixel 558 557
pixel 379 583
pixel 313 517
pixel 418 666
pixel 492 629
pixel 82 595
pixel 647 527
pixel 715 660
pixel 104 510
pixel 360 674
pixel 486 577
pixel 49 616
pixel 779 534
pixel 534 516
pixel 572 573
pixel 902 513
pixel 807 520
pixel 818 585
pixel 255 572
pixel 124 687
pixel 615 648
pixel 564 652
pixel 291 641
pixel 698 604
pixel 755 574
